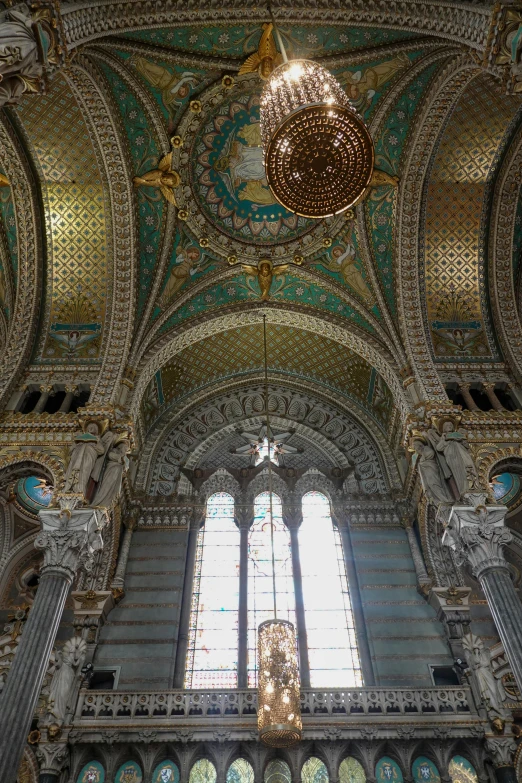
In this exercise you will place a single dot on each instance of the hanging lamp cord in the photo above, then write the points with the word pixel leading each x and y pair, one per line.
pixel 277 33
pixel 269 439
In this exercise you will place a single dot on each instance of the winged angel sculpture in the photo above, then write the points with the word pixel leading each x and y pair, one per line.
pixel 163 178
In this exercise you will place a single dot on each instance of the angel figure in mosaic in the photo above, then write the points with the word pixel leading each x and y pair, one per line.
pixel 266 58
pixel 362 86
pixel 265 275
pixel 4 182
pixel 174 87
pixel 342 261
pixel 163 178
pixel 187 261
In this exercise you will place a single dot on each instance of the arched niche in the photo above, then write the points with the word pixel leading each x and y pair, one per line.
pixel 314 771
pixel 240 771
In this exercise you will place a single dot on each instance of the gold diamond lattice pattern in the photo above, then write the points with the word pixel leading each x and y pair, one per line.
pixel 454 207
pixel 73 194
pixel 290 350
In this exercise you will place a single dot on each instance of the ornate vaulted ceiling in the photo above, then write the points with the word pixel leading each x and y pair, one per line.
pixel 156 287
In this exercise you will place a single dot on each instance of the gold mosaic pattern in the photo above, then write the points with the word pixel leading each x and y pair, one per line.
pixel 72 189
pixel 453 214
pixel 290 350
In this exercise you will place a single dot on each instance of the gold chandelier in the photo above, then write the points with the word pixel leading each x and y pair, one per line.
pixel 278 683
pixel 319 154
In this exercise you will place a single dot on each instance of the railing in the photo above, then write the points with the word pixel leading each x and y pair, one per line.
pixel 126 705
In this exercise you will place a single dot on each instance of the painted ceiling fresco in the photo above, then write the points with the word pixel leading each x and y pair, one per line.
pixel 77 226
pixel 455 273
pixel 294 353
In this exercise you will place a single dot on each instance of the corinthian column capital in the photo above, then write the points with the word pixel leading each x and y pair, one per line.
pixel 52 757
pixel 478 536
pixel 70 539
pixel 501 751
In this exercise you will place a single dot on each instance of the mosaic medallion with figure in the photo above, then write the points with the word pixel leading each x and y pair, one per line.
pixel 229 201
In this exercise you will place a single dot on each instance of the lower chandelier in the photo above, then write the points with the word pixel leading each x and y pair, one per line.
pixel 279 701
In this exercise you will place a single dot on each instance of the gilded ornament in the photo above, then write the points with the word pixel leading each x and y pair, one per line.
pixel 266 58
pixel 183 214
pixel 327 242
pixel 195 106
pixel 164 178
pixel 176 142
pixel 264 271
pixel 228 82
pixel 232 260
pixel 4 182
pixel 203 242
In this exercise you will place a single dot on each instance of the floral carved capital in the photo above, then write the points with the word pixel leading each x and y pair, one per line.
pixel 69 540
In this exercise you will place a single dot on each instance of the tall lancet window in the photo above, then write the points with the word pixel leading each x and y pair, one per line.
pixel 213 636
pixel 332 645
pixel 260 600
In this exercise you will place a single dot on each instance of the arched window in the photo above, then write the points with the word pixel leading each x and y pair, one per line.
pixel 461 771
pixel 203 771
pixel 332 645
pixel 314 771
pixel 260 601
pixel 350 771
pixel 240 771
pixel 213 635
pixel 277 771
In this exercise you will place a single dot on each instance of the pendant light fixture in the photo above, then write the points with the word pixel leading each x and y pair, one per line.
pixel 278 696
pixel 318 152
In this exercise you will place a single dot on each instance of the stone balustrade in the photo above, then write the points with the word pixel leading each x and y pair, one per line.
pixel 173 706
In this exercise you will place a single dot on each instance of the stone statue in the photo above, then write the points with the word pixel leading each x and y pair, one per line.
pixel 478 658
pixel 68 663
pixel 88 448
pixel 453 445
pixel 27 45
pixel 110 485
pixel 431 473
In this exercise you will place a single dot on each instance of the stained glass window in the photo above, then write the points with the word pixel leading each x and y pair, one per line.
pixel 388 771
pixel 240 772
pixel 129 772
pixel 213 637
pixel 314 771
pixel 350 771
pixel 461 771
pixel 425 771
pixel 92 772
pixel 332 645
pixel 260 600
pixel 166 772
pixel 277 771
pixel 203 771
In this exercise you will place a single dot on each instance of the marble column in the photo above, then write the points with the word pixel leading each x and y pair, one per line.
pixel 355 598
pixel 186 601
pixel 468 399
pixel 45 393
pixel 489 388
pixel 244 518
pixel 423 580
pixel 118 582
pixel 293 518
pixel 478 535
pixel 70 393
pixel 69 539
pixel 501 751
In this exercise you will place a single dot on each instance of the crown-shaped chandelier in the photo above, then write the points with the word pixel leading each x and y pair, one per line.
pixel 319 154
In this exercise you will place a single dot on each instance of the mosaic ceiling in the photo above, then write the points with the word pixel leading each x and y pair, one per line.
pixel 188 127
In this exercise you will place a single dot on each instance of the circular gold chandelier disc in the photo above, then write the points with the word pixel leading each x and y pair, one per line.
pixel 319 160
pixel 280 736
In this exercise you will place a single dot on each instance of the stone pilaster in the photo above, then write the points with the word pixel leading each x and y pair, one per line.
pixel 69 540
pixel 452 607
pixel 423 580
pixel 90 612
pixel 118 582
pixel 293 517
pixel 186 601
pixel 478 535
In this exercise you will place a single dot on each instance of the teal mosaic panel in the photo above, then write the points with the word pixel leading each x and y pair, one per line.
pixel 425 771
pixel 388 771
pixel 7 217
pixel 92 772
pixel 380 207
pixel 145 154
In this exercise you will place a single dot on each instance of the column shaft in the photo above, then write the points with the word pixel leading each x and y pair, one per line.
pixel 67 401
pixel 506 609
pixel 358 614
pixel 119 576
pixel 25 678
pixel 468 399
pixel 242 661
pixel 506 774
pixel 46 778
pixel 489 388
pixel 186 604
pixel 302 638
pixel 42 402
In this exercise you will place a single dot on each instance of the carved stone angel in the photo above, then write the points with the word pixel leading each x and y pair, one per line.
pixel 431 473
pixel 88 447
pixel 68 663
pixel 478 658
pixel 453 445
pixel 163 178
pixel 110 485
